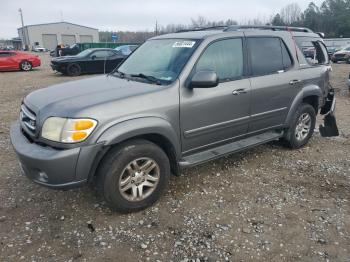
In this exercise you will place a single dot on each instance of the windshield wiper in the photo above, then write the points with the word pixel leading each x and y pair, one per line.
pixel 147 77
pixel 120 74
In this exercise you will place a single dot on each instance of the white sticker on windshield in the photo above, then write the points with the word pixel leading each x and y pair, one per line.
pixel 184 44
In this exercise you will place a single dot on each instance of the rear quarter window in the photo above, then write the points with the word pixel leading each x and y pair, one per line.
pixel 268 55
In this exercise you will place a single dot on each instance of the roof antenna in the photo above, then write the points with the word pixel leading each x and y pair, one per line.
pixel 61 14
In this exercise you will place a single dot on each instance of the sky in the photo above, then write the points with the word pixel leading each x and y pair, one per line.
pixel 133 15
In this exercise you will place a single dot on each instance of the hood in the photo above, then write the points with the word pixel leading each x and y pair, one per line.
pixel 67 99
pixel 341 52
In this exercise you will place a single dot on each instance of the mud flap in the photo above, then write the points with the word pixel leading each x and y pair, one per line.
pixel 329 128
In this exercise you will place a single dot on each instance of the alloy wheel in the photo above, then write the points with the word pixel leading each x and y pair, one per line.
pixel 303 127
pixel 139 179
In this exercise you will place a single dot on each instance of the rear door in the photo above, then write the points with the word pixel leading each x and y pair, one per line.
pixel 213 116
pixel 273 80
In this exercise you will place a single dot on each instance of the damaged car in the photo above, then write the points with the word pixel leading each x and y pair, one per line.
pixel 179 100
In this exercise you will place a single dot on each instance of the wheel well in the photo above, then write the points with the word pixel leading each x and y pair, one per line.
pixel 167 147
pixel 313 101
pixel 157 139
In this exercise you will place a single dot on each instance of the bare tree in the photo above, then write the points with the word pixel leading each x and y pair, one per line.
pixel 291 13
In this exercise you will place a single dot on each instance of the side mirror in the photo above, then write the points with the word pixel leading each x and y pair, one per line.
pixel 93 57
pixel 204 79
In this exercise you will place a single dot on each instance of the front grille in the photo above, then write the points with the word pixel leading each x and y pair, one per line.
pixel 28 119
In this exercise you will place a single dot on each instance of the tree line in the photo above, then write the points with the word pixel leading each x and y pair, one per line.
pixel 332 17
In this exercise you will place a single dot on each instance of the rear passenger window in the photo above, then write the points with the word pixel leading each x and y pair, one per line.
pixel 225 57
pixel 313 50
pixel 268 55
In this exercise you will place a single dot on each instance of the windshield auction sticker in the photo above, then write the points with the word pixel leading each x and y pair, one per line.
pixel 184 44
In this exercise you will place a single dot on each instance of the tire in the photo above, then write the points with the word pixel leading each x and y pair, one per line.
pixel 25 65
pixel 302 127
pixel 73 70
pixel 119 179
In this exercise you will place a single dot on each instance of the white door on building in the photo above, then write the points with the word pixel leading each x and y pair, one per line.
pixel 49 41
pixel 86 39
pixel 68 39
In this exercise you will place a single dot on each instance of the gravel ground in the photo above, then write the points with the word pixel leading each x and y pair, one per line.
pixel 268 203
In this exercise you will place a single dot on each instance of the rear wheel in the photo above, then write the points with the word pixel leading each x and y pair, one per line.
pixel 133 175
pixel 26 65
pixel 73 70
pixel 302 127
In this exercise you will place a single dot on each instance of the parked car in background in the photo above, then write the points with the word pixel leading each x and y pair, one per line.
pixel 331 51
pixel 14 60
pixel 39 49
pixel 342 55
pixel 94 60
pixel 309 52
pixel 126 49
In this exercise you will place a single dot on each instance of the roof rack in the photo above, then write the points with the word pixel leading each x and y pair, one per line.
pixel 239 27
pixel 268 27
pixel 218 27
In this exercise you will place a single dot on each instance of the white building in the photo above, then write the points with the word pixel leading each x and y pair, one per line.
pixel 337 42
pixel 51 34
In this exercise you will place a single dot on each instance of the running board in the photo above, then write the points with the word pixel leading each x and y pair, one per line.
pixel 234 147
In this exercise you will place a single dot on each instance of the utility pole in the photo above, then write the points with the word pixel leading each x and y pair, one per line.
pixel 156 27
pixel 24 39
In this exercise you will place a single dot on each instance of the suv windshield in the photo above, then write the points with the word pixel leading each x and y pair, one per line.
pixel 161 59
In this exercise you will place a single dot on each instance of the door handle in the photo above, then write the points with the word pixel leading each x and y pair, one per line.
pixel 239 91
pixel 295 82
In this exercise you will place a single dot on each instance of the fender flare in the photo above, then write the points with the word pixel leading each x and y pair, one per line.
pixel 141 126
pixel 311 90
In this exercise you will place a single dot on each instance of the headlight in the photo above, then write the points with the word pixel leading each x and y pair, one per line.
pixel 67 130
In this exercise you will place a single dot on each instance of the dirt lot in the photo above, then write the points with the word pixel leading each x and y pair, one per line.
pixel 269 203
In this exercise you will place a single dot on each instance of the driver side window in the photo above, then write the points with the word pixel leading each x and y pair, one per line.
pixel 225 57
pixel 99 54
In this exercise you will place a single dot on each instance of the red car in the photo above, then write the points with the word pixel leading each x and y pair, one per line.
pixel 14 60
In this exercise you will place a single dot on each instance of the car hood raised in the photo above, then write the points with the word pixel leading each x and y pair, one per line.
pixel 68 98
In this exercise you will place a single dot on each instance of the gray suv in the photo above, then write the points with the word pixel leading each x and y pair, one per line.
pixel 179 100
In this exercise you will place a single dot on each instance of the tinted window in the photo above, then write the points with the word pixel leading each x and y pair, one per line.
pixel 101 54
pixel 225 57
pixel 5 54
pixel 266 55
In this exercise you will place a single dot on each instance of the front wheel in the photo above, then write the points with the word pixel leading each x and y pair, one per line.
pixel 133 175
pixel 25 65
pixel 73 70
pixel 302 127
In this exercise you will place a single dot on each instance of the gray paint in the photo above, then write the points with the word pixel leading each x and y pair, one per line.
pixel 193 120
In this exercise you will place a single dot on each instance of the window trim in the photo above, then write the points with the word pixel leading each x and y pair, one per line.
pixel 245 68
pixel 281 42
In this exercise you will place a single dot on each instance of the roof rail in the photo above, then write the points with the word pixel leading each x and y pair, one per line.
pixel 268 27
pixel 218 27
pixel 239 27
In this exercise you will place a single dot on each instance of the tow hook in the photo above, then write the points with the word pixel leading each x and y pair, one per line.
pixel 329 128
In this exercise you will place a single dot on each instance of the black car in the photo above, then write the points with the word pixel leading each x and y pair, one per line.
pixel 94 60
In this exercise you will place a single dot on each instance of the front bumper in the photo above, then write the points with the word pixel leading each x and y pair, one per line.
pixel 55 168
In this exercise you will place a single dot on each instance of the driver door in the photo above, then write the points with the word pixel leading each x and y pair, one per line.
pixel 218 115
pixel 97 61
